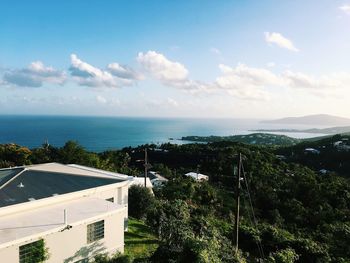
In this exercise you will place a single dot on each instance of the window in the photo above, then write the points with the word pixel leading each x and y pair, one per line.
pixel 110 199
pixel 95 231
pixel 32 252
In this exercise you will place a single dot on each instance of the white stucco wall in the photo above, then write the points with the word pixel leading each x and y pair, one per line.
pixel 71 245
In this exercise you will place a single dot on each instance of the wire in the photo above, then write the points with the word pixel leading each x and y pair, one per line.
pixel 260 247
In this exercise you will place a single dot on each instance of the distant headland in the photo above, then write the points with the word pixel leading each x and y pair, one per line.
pixel 318 119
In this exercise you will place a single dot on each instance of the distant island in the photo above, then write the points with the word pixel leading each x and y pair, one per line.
pixel 319 119
pixel 254 138
pixel 332 130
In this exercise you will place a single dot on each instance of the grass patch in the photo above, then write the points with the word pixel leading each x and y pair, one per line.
pixel 140 242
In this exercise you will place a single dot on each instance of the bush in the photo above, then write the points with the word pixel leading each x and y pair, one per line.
pixel 284 256
pixel 141 200
pixel 117 258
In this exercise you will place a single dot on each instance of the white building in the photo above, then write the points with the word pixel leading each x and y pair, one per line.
pixel 78 211
pixel 156 179
pixel 140 181
pixel 197 176
pixel 342 145
pixel 311 150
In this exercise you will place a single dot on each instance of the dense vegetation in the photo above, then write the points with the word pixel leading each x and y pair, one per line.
pixel 332 130
pixel 301 215
pixel 329 158
pixel 254 138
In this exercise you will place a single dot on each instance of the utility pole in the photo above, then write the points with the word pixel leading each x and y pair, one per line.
pixel 238 188
pixel 146 167
pixel 197 171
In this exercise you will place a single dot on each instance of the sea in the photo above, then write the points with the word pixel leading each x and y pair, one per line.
pixel 106 133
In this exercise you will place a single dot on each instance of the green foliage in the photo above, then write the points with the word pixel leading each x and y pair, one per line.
pixel 283 256
pixel 140 201
pixel 170 220
pixel 13 155
pixel 302 215
pixel 37 252
pixel 117 258
pixel 254 138
pixel 330 158
pixel 163 170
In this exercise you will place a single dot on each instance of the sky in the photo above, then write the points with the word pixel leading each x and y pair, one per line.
pixel 158 58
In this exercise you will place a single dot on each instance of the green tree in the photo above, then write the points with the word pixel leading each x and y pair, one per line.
pixel 140 201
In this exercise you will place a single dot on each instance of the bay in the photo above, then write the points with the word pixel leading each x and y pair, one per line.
pixel 104 133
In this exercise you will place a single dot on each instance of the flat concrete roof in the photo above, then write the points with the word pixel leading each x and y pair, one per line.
pixel 34 182
pixel 19 227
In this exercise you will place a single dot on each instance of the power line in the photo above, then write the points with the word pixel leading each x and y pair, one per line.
pixel 238 187
pixel 260 247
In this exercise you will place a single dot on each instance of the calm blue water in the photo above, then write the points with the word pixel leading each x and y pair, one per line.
pixel 102 133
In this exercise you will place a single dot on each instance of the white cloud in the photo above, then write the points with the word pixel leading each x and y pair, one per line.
pixel 246 82
pixel 123 71
pixel 115 76
pixel 170 73
pixel 35 75
pixel 101 99
pixel 324 83
pixel 244 76
pixel 249 93
pixel 251 83
pixel 108 101
pixel 345 9
pixel 162 68
pixel 242 81
pixel 299 80
pixel 271 64
pixel 279 40
pixel 172 102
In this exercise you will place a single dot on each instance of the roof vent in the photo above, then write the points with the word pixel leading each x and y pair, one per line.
pixel 21 185
pixel 31 199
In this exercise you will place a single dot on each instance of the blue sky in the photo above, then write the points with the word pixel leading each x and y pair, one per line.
pixel 256 59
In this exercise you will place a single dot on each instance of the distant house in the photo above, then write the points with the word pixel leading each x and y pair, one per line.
pixel 323 171
pixel 342 145
pixel 311 150
pixel 197 176
pixel 77 211
pixel 281 157
pixel 156 179
pixel 153 180
pixel 337 143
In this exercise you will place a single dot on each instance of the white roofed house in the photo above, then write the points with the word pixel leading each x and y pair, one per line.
pixel 342 145
pixel 77 211
pixel 311 151
pixel 197 176
pixel 156 179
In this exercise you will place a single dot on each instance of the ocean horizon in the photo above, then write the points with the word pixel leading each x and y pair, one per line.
pixel 100 133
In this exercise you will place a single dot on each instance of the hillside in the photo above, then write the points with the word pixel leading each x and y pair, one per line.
pixel 319 119
pixel 301 215
pixel 254 138
pixel 333 156
pixel 331 130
